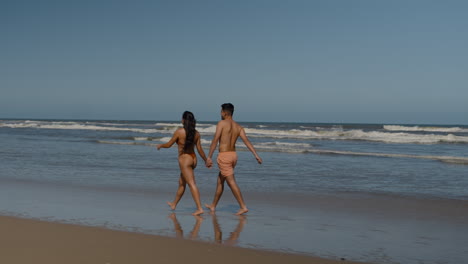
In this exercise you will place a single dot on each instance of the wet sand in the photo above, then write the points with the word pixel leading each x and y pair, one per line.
pixel 382 229
pixel 32 241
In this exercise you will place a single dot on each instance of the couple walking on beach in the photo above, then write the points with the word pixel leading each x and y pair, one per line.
pixel 187 138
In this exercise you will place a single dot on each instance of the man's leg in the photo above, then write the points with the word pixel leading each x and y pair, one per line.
pixel 231 181
pixel 218 193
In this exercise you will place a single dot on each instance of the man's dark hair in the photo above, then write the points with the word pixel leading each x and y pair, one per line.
pixel 228 108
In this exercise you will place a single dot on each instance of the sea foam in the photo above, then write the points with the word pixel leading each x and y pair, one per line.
pixel 358 134
pixel 425 129
pixel 390 133
pixel 80 126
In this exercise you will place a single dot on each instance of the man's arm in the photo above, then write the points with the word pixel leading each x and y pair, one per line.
pixel 171 142
pixel 214 143
pixel 249 145
pixel 215 140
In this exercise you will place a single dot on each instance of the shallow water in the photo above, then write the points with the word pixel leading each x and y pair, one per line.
pixel 376 193
pixel 378 229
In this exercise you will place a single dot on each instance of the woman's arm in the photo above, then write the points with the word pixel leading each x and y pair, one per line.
pixel 199 147
pixel 171 142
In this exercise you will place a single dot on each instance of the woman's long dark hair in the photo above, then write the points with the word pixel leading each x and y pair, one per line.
pixel 189 126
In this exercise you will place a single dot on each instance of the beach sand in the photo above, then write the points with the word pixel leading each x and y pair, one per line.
pixel 32 241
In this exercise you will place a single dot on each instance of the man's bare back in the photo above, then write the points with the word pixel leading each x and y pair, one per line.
pixel 230 131
pixel 227 133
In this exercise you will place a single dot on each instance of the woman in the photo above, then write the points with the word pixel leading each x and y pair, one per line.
pixel 187 138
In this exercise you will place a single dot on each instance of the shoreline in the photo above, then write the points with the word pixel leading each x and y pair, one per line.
pixel 35 241
pixel 380 229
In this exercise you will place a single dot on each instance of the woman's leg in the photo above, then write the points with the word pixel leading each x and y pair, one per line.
pixel 186 163
pixel 179 193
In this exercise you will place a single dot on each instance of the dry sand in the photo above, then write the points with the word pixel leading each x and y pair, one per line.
pixel 37 242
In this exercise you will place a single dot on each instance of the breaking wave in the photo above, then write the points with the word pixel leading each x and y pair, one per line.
pixel 357 134
pixel 425 129
pixel 85 126
pixel 302 148
pixel 445 159
pixel 389 133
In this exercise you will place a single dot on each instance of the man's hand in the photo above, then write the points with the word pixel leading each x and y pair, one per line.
pixel 209 163
pixel 259 160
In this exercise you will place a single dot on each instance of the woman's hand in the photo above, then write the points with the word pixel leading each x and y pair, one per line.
pixel 209 163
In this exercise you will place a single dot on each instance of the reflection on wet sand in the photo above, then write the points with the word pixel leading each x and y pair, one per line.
pixel 234 236
pixel 218 233
pixel 178 228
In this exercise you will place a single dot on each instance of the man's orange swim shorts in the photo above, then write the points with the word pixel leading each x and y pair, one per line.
pixel 226 162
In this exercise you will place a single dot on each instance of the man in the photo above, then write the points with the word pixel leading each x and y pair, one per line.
pixel 227 133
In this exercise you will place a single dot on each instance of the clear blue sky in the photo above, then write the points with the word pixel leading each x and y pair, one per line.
pixel 369 61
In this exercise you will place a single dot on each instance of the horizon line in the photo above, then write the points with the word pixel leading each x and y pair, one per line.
pixel 211 121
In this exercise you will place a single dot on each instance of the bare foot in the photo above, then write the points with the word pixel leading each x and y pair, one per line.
pixel 198 212
pixel 211 207
pixel 173 206
pixel 242 211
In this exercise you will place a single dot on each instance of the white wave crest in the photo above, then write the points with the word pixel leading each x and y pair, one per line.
pixel 143 139
pixel 425 129
pixel 283 147
pixel 165 139
pixel 357 134
pixel 78 126
pixel 132 143
pixel 168 124
pixel 403 138
pixel 293 133
pixel 202 128
pixel 205 142
pixel 391 134
pixel 446 159
pixel 211 129
pixel 97 126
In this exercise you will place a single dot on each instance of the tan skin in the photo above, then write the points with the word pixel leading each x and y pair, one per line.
pixel 226 135
pixel 187 164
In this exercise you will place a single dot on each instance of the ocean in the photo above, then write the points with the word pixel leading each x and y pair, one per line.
pixel 109 173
